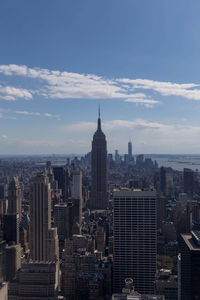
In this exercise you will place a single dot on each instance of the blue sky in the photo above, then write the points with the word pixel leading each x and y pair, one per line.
pixel 138 59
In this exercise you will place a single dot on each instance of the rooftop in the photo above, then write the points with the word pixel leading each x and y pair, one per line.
pixel 124 192
pixel 187 237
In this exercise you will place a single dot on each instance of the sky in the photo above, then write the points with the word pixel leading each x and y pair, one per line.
pixel 138 59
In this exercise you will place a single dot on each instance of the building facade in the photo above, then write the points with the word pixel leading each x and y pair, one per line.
pixel 43 238
pixel 135 239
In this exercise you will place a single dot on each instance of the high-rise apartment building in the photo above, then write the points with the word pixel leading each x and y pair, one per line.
pixel 43 238
pixel 99 170
pixel 135 239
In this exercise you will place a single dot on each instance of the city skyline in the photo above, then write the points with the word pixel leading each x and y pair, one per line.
pixel 138 60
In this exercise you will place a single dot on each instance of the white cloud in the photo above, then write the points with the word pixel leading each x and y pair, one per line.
pixel 11 93
pixel 64 85
pixel 143 101
pixel 188 90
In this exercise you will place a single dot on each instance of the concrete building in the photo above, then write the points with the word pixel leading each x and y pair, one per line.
pixel 85 276
pixel 190 266
pixel 43 238
pixel 35 281
pixel 135 239
pixel 72 266
pixel 99 170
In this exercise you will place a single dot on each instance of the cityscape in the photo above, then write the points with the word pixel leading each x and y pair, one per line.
pixel 97 227
pixel 99 150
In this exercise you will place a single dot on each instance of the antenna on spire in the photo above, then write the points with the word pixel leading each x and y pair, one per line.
pixel 99 119
pixel 99 111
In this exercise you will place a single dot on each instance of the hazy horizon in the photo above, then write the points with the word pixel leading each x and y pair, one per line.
pixel 137 59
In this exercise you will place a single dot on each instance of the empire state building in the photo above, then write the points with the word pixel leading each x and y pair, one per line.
pixel 99 169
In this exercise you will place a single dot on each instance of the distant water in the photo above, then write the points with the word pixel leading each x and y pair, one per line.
pixel 179 162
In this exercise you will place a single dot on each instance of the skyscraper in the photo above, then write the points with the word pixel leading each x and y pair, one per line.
pixel 13 216
pixel 190 266
pixel 99 169
pixel 135 239
pixel 62 177
pixel 163 182
pixel 130 154
pixel 38 278
pixel 76 185
pixel 43 238
pixel 14 198
pixel 188 181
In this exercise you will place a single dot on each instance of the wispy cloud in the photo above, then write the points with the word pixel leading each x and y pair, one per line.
pixel 64 85
pixel 27 113
pixel 9 114
pixel 37 114
pixel 188 90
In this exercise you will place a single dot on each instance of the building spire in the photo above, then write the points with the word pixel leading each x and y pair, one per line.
pixel 99 119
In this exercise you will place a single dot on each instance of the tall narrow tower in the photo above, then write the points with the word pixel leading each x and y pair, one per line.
pixel 130 155
pixel 99 169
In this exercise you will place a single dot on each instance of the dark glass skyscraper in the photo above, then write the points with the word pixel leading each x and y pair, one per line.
pixel 130 154
pixel 99 169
